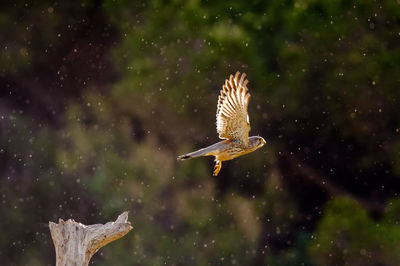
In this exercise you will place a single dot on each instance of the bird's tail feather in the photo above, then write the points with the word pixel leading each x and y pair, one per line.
pixel 201 152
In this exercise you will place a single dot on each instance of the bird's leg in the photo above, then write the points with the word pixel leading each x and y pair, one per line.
pixel 217 167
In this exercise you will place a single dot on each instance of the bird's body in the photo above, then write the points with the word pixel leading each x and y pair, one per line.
pixel 232 125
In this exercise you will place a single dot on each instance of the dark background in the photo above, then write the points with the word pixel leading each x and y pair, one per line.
pixel 97 99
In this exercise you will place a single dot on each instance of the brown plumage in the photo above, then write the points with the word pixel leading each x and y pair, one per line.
pixel 232 118
pixel 233 124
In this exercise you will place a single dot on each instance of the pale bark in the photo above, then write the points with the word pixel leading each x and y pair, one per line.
pixel 76 243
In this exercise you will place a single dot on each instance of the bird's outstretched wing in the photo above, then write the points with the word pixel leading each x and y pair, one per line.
pixel 232 118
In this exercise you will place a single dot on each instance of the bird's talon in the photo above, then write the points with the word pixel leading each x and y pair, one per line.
pixel 217 168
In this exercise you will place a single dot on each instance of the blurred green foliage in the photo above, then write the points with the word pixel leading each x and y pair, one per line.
pixel 77 143
pixel 347 235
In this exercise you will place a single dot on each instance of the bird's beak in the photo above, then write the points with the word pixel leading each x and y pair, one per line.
pixel 263 142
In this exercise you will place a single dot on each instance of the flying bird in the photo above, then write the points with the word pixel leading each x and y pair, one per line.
pixel 233 125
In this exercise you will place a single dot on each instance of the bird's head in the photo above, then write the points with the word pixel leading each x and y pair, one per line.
pixel 256 142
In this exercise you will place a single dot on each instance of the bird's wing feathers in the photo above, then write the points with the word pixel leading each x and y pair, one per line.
pixel 232 118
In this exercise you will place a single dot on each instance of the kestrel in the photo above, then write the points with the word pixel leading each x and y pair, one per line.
pixel 233 125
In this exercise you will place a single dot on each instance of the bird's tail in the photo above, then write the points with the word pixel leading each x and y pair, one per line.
pixel 201 152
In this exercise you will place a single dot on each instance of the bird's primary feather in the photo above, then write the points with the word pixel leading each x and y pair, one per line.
pixel 232 117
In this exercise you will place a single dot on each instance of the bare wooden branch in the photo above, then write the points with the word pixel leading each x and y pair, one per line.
pixel 76 243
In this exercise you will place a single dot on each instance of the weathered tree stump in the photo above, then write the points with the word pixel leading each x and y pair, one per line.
pixel 76 243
